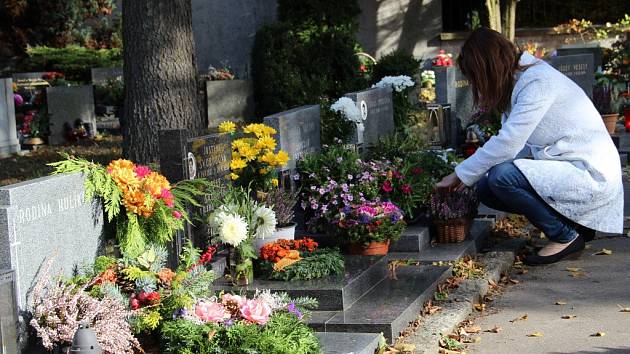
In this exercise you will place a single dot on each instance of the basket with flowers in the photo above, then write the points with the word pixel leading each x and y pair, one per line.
pixel 368 228
pixel 254 160
pixel 452 214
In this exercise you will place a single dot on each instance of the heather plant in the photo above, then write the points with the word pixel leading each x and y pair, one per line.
pixel 283 204
pixel 454 205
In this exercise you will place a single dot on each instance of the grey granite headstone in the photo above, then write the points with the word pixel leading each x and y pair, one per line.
pixel 229 100
pixel 377 107
pixel 8 313
pixel 100 76
pixel 298 132
pixel 451 86
pixel 66 104
pixel 18 77
pixel 584 48
pixel 579 68
pixel 8 134
pixel 47 217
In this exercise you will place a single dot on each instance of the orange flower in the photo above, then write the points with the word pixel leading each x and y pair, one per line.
pixel 154 183
pixel 137 202
pixel 166 275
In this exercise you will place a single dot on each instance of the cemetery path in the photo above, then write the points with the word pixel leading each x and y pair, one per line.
pixel 595 288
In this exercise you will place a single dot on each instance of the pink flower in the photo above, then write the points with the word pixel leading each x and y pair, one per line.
pixel 239 300
pixel 256 311
pixel 177 214
pixel 18 99
pixel 389 207
pixel 167 196
pixel 387 186
pixel 210 311
pixel 368 210
pixel 406 188
pixel 142 171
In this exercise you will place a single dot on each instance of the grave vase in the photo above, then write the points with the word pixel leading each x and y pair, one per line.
pixel 241 268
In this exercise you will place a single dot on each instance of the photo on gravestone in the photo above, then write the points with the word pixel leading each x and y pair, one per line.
pixel 377 108
pixel 452 87
pixel 579 68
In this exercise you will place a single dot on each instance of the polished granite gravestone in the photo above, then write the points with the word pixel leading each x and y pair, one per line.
pixel 348 343
pixel 231 100
pixel 579 68
pixel 298 132
pixel 9 143
pixel 100 76
pixel 377 108
pixel 47 217
pixel 584 48
pixel 452 87
pixel 66 105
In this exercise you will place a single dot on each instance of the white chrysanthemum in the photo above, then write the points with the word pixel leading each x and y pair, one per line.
pixel 265 222
pixel 348 108
pixel 233 230
pixel 397 83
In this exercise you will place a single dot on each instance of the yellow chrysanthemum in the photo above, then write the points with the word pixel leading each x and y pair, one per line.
pixel 233 176
pixel 138 203
pixel 125 178
pixel 248 153
pixel 239 143
pixel 263 171
pixel 269 158
pixel 282 158
pixel 237 164
pixel 227 127
pixel 274 182
pixel 268 131
pixel 120 164
pixel 254 128
pixel 266 142
pixel 235 155
pixel 154 183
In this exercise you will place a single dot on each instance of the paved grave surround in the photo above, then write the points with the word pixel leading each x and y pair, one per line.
pixel 377 107
pixel 67 104
pixel 100 76
pixel 47 217
pixel 8 134
pixel 579 67
pixel 231 100
pixel 298 132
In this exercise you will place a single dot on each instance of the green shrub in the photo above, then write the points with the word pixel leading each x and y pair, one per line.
pixel 394 64
pixel 74 61
pixel 329 13
pixel 333 125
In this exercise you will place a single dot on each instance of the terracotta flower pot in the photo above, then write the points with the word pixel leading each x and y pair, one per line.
pixel 373 249
pixel 610 120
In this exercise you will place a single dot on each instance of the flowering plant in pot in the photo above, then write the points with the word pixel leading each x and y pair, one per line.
pixel 368 228
pixel 603 101
pixel 452 214
pixel 283 204
pixel 237 221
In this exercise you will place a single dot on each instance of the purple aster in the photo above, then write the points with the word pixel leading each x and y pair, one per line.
pixel 179 313
pixel 344 187
pixel 296 177
pixel 294 310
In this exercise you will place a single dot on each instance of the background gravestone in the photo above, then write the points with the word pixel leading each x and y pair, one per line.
pixel 8 134
pixel 229 100
pixel 584 48
pixel 377 106
pixel 66 104
pixel 100 76
pixel 452 87
pixel 298 132
pixel 579 68
pixel 47 217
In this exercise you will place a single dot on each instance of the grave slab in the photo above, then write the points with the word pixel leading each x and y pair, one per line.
pixel 583 48
pixel 9 143
pixel 231 100
pixel 377 107
pixel 348 343
pixel 579 68
pixel 66 104
pixel 415 238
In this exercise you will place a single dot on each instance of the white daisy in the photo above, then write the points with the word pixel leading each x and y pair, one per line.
pixel 265 222
pixel 233 230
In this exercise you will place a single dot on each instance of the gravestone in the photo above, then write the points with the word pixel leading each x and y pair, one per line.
pixel 47 217
pixel 100 76
pixel 452 87
pixel 584 48
pixel 8 313
pixel 28 79
pixel 579 68
pixel 231 100
pixel 298 132
pixel 377 108
pixel 66 104
pixel 8 134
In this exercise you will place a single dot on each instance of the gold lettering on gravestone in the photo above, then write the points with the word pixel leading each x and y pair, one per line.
pixel 571 70
pixel 461 83
pixel 213 161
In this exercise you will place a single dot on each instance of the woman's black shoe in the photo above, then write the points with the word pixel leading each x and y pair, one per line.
pixel 588 234
pixel 574 250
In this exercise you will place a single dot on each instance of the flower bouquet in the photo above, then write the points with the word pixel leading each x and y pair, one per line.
pixel 401 86
pixel 266 323
pixel 368 228
pixel 254 161
pixel 298 260
pixel 452 214
pixel 236 221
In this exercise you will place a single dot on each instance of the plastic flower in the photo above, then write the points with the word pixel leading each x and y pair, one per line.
pixel 266 222
pixel 227 127
pixel 210 311
pixel 397 83
pixel 256 311
pixel 233 230
pixel 348 108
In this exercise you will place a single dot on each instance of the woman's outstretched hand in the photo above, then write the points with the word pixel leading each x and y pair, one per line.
pixel 450 183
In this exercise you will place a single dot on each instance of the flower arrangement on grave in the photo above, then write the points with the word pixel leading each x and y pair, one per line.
pixel 145 207
pixel 226 323
pixel 334 125
pixel 298 260
pixel 402 107
pixel 427 92
pixel 369 227
pixel 220 74
pixel 452 214
pixel 347 108
pixel 254 163
pixel 237 220
pixel 443 59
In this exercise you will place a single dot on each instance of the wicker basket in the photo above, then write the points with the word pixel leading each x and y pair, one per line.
pixel 452 231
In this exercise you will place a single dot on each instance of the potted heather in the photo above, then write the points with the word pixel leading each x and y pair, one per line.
pixel 283 204
pixel 603 99
pixel 452 214
pixel 368 228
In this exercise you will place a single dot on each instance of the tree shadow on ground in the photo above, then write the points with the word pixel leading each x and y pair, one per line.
pixel 599 350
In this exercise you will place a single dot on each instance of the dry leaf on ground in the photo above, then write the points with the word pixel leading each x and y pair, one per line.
pixel 495 329
pixel 598 334
pixel 588 247
pixel 515 281
pixel 535 334
pixel 522 318
pixel 472 329
pixel 561 302
pixel 570 269
pixel 623 309
pixel 604 252
pixel 480 307
pixel 568 317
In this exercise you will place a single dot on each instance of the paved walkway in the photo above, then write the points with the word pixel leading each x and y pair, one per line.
pixel 593 295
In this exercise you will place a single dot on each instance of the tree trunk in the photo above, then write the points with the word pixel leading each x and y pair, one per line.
pixel 160 74
pixel 509 16
pixel 494 14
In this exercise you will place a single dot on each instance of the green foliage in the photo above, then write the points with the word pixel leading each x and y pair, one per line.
pixel 320 13
pixel 135 273
pixel 333 125
pixel 189 256
pixel 186 337
pixel 395 146
pixel 74 61
pixel 334 161
pixel 319 264
pixel 395 64
pixel 102 263
pixel 146 321
pixel 186 287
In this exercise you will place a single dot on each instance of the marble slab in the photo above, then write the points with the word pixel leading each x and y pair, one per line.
pixel 348 343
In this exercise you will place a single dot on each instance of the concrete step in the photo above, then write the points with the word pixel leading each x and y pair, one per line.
pixel 348 343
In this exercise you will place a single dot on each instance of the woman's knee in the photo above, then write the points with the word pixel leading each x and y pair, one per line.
pixel 502 175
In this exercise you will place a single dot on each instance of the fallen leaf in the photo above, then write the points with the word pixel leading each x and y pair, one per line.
pixel 568 317
pixel 405 347
pixel 577 274
pixel 495 329
pixel 535 334
pixel 514 281
pixel 524 271
pixel 574 269
pixel 492 282
pixel 623 309
pixel 560 302
pixel 598 334
pixel 472 329
pixel 604 252
pixel 588 247
pixel 480 307
pixel 522 318
pixel 476 340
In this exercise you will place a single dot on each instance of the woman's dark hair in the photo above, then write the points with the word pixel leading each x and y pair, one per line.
pixel 489 60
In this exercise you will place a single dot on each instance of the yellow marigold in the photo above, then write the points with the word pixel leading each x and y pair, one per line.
pixel 233 176
pixel 227 127
pixel 238 164
pixel 266 142
pixel 268 158
pixel 282 158
pixel 154 183
pixel 120 164
pixel 274 182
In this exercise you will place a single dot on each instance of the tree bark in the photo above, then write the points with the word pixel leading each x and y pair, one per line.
pixel 494 14
pixel 160 75
pixel 509 16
